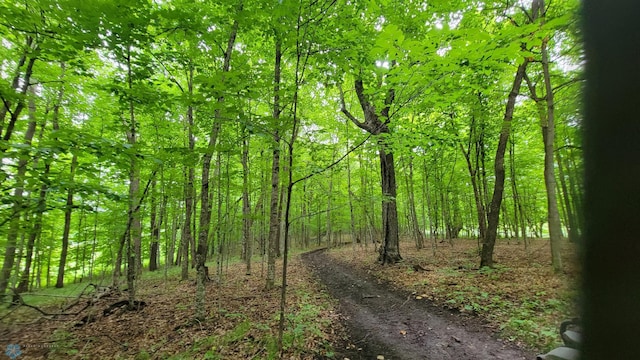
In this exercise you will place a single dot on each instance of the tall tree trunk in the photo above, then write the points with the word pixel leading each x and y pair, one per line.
pixel 610 252
pixel 18 203
pixel 274 224
pixel 377 124
pixel 514 189
pixel 67 223
pixel 247 242
pixel 547 122
pixel 155 225
pixel 23 285
pixel 426 206
pixel 355 238
pixel 489 241
pixel 205 207
pixel 548 134
pixel 474 176
pixel 414 226
pixel 572 223
pixel 186 237
pixel 176 224
pixel 390 251
pixel 36 230
pixel 329 229
pixel 133 233
pixel 189 207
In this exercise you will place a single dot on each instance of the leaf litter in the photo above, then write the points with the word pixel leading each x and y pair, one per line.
pixel 521 299
pixel 242 322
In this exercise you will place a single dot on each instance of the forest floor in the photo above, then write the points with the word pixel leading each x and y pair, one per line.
pixel 437 307
pixel 383 321
pixel 437 304
pixel 521 300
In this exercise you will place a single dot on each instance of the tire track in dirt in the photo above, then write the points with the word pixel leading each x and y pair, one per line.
pixel 383 321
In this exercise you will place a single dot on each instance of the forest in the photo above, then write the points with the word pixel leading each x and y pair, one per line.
pixel 207 141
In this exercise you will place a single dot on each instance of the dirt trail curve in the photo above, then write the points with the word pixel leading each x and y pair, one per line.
pixel 383 321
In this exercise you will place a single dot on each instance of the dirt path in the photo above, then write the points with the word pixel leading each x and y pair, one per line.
pixel 383 321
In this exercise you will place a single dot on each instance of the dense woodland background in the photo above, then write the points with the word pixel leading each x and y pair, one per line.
pixel 162 133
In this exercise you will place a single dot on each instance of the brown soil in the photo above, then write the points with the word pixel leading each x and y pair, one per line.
pixel 383 321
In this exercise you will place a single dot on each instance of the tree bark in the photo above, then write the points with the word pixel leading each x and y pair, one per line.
pixel 189 208
pixel 355 237
pixel 155 225
pixel 377 124
pixel 17 204
pixel 205 207
pixel 23 285
pixel 548 135
pixel 67 223
pixel 572 223
pixel 489 241
pixel 247 241
pixel 274 224
pixel 547 122
pixel 474 175
pixel 414 226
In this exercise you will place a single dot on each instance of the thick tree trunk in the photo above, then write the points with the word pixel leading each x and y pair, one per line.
pixel 489 241
pixel 377 124
pixel 390 249
pixel 610 285
pixel 281 205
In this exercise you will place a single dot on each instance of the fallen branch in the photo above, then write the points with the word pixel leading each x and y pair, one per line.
pixel 137 305
pixel 21 302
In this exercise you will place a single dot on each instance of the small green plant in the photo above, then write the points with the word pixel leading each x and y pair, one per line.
pixel 143 355
pixel 237 333
pixel 66 344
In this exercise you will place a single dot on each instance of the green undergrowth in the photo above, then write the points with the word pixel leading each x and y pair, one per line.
pixel 532 319
pixel 259 339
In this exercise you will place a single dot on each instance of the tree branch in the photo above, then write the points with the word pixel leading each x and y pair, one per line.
pixel 532 89
pixel 343 108
pixel 354 148
pixel 567 83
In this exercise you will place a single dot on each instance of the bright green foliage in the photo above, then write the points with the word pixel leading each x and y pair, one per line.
pixel 450 63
